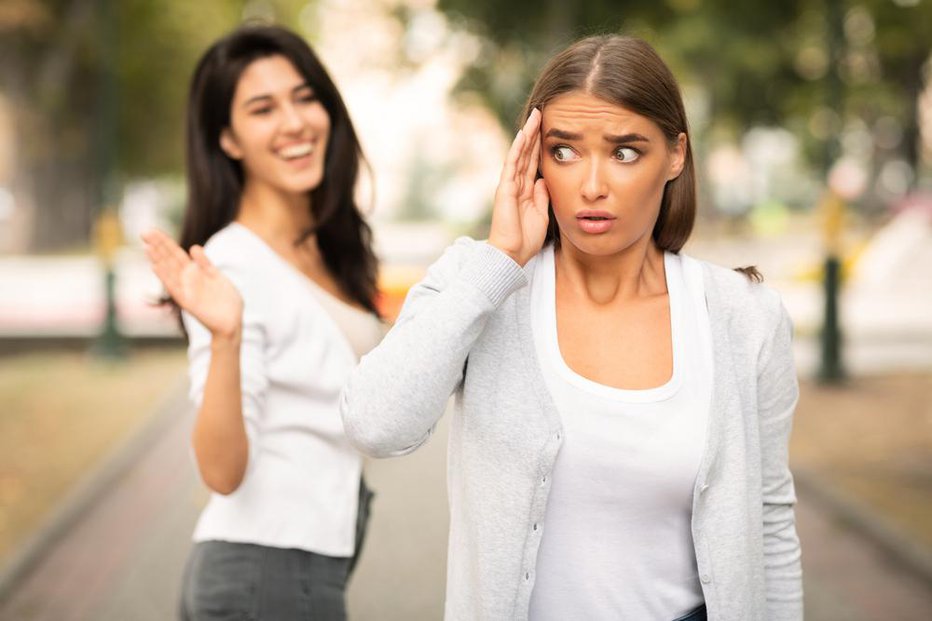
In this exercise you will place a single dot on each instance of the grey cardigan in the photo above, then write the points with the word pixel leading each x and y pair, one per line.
pixel 465 330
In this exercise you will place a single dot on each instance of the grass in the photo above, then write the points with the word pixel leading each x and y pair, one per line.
pixel 62 413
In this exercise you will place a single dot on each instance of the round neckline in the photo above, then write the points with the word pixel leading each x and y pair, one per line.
pixel 294 270
pixel 632 395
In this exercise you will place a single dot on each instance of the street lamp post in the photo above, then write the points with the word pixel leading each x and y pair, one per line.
pixel 110 342
pixel 831 369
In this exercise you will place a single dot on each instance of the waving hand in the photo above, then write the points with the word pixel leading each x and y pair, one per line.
pixel 195 284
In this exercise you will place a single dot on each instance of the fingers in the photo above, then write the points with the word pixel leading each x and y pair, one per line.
pixel 511 160
pixel 200 258
pixel 167 258
pixel 530 154
pixel 541 197
pixel 530 173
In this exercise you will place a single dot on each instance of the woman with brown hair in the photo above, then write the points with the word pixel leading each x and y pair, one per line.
pixel 618 448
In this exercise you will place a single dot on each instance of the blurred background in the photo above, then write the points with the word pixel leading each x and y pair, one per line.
pixel 812 124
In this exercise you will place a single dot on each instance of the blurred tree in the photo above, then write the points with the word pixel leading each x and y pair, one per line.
pixel 52 54
pixel 758 63
pixel 902 38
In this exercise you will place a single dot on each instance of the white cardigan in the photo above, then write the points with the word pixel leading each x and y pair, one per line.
pixel 301 486
pixel 465 329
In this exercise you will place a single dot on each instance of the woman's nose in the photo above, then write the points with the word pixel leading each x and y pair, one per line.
pixel 594 186
pixel 292 120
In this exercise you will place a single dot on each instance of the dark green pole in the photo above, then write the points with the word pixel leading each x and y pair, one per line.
pixel 110 342
pixel 831 369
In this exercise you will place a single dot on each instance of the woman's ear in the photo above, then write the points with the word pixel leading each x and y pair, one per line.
pixel 678 161
pixel 229 146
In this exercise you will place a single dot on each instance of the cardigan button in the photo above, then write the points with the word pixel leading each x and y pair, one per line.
pixel 535 526
pixel 527 575
pixel 706 578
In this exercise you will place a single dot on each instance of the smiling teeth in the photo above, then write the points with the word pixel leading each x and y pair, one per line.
pixel 298 150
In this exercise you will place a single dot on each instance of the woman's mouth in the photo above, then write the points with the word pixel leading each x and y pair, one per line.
pixel 296 151
pixel 595 222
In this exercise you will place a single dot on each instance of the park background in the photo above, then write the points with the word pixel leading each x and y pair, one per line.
pixel 811 122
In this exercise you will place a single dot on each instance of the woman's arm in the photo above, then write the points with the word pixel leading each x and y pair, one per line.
pixel 219 438
pixel 400 389
pixel 778 393
pixel 212 311
pixel 227 385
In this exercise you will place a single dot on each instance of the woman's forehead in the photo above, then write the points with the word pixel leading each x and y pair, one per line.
pixel 268 75
pixel 578 109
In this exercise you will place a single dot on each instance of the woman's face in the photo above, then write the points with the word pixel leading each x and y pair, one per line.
pixel 278 128
pixel 605 168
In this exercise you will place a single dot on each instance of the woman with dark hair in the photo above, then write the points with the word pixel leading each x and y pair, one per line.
pixel 275 280
pixel 618 448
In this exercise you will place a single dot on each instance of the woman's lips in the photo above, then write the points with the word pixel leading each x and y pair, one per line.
pixel 595 222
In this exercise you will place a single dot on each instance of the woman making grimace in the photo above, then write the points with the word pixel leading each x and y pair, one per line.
pixel 275 278
pixel 618 449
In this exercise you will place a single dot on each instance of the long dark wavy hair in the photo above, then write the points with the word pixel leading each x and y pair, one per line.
pixel 215 181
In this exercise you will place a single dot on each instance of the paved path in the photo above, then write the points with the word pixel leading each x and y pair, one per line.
pixel 122 561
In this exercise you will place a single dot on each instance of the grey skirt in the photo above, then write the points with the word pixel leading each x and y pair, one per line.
pixel 244 581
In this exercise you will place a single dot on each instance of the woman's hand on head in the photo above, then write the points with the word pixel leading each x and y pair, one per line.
pixel 196 284
pixel 519 217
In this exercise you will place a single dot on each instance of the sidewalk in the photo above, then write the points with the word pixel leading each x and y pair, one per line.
pixel 865 450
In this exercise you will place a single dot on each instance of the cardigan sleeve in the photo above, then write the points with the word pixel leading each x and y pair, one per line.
pixel 399 390
pixel 778 393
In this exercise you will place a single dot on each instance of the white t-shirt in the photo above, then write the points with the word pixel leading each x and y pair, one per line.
pixel 301 486
pixel 617 540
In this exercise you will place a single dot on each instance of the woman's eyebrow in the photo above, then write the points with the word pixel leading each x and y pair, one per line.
pixel 632 137
pixel 257 98
pixel 267 97
pixel 562 135
pixel 612 138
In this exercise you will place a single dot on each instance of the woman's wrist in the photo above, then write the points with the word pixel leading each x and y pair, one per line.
pixel 515 256
pixel 228 339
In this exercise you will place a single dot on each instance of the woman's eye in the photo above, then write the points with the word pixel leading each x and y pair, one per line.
pixel 261 111
pixel 308 98
pixel 627 154
pixel 563 154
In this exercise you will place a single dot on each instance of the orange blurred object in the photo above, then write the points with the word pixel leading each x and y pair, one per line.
pixel 394 283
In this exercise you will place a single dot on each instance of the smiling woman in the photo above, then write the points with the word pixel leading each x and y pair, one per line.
pixel 275 280
pixel 276 117
pixel 618 448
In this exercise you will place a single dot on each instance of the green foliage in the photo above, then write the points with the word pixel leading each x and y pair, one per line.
pixel 757 62
pixel 97 88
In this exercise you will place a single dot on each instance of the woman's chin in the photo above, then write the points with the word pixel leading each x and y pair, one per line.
pixel 596 245
pixel 300 184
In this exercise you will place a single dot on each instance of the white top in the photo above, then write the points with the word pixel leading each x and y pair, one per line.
pixel 301 484
pixel 617 541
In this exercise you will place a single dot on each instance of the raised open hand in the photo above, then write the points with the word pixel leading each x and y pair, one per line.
pixel 519 217
pixel 195 284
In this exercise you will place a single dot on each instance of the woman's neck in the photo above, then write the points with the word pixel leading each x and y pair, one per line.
pixel 635 272
pixel 275 216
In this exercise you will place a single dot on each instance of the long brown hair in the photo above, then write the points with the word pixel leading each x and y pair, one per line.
pixel 215 181
pixel 626 71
